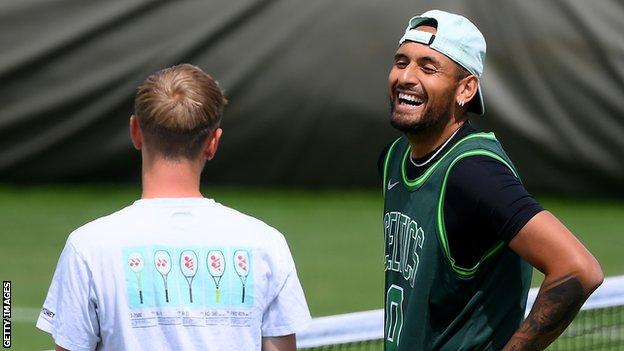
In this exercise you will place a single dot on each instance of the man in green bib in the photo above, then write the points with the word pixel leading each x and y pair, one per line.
pixel 461 232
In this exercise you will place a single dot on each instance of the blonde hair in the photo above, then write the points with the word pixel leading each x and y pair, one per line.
pixel 177 108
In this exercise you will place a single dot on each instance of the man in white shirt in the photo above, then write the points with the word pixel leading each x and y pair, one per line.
pixel 175 270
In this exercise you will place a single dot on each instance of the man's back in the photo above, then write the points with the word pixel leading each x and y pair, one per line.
pixel 168 273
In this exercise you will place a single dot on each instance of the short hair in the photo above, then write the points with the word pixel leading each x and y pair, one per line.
pixel 460 72
pixel 177 108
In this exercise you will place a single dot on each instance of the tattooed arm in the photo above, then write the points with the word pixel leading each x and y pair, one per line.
pixel 571 275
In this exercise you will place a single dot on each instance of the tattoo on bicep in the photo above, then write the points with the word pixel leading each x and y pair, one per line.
pixel 554 308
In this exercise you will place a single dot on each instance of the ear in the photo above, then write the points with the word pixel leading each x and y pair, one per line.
pixel 466 90
pixel 213 144
pixel 135 133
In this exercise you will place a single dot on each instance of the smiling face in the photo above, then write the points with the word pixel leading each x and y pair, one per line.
pixel 423 84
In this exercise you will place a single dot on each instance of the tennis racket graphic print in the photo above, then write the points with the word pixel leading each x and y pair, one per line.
pixel 136 264
pixel 216 267
pixel 241 266
pixel 188 267
pixel 162 262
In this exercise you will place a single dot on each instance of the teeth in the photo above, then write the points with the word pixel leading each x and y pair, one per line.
pixel 408 97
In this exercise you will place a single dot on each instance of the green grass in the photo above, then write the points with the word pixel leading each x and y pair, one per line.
pixel 335 238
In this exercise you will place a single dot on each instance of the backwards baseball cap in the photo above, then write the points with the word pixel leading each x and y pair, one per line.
pixel 458 39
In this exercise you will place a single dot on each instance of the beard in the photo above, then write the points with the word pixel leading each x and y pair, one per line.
pixel 434 117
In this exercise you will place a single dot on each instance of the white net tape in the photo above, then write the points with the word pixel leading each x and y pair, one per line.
pixel 368 325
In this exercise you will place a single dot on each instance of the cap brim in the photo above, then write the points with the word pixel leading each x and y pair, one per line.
pixel 476 105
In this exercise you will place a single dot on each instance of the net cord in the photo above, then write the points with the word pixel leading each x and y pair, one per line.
pixel 368 325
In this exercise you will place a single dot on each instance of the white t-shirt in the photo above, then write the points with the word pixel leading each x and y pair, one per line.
pixel 173 274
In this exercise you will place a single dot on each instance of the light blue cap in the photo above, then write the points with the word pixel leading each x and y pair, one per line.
pixel 458 39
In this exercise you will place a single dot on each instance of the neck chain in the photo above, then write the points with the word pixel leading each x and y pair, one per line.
pixel 436 153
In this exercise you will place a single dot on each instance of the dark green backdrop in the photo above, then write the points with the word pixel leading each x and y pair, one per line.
pixel 306 82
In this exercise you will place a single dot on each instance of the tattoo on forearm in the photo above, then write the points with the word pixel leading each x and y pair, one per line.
pixel 554 309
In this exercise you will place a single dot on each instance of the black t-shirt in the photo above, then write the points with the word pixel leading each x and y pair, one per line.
pixel 484 202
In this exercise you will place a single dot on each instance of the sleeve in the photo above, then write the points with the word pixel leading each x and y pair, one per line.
pixel 381 160
pixel 484 204
pixel 288 312
pixel 489 192
pixel 69 311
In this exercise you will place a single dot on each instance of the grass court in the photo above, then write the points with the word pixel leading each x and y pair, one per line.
pixel 335 237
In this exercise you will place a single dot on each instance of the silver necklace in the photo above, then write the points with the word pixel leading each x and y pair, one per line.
pixel 436 153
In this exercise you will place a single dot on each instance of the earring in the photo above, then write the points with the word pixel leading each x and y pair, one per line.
pixel 461 103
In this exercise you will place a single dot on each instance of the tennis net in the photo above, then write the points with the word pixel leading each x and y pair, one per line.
pixel 598 326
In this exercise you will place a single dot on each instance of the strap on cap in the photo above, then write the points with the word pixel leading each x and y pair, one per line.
pixel 417 36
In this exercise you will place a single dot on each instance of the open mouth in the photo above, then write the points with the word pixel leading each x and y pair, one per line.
pixel 410 100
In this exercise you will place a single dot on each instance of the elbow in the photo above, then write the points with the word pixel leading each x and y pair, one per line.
pixel 596 279
pixel 590 275
pixel 584 269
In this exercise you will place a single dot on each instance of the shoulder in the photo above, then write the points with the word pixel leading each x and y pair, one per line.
pixel 491 192
pixel 242 219
pixel 479 173
pixel 258 231
pixel 100 227
pixel 389 148
pixel 480 164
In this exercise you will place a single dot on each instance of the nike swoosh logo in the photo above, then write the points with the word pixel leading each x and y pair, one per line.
pixel 391 185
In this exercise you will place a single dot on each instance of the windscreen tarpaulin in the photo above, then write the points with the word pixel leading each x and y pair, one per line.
pixel 307 86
